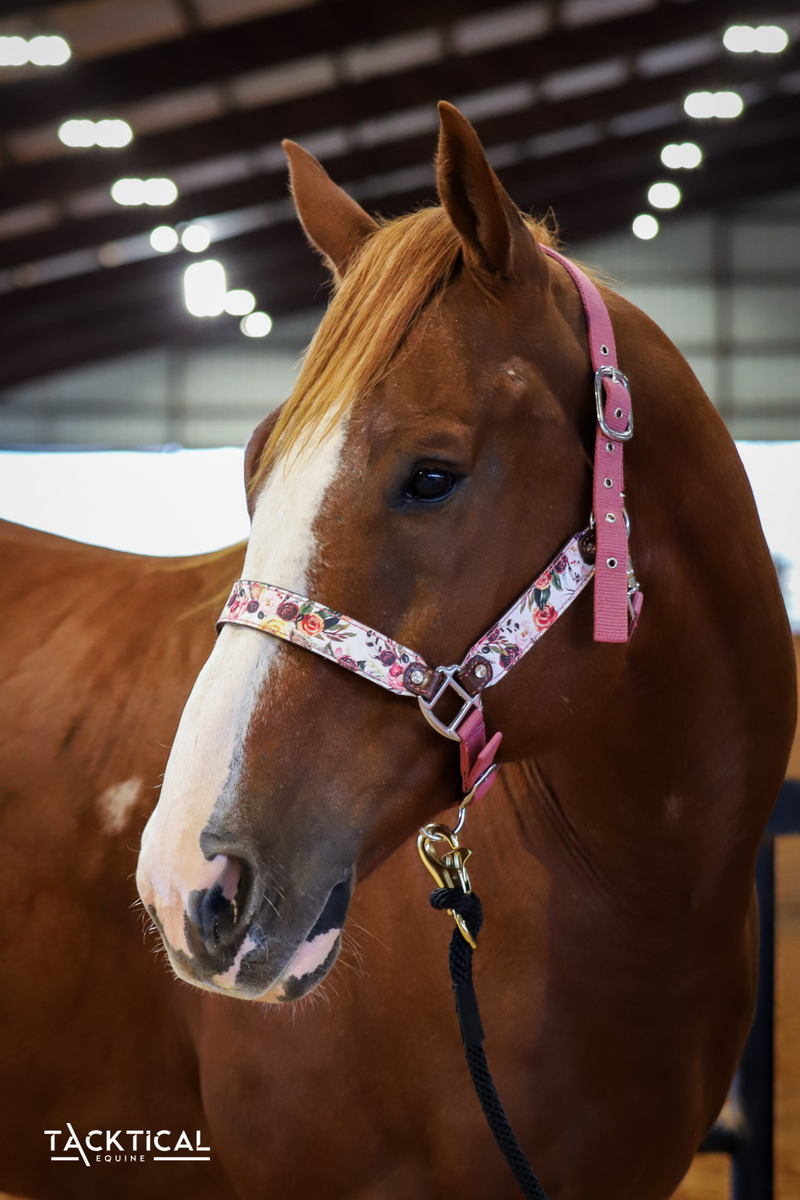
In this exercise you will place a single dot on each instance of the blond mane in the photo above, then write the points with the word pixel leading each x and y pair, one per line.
pixel 401 269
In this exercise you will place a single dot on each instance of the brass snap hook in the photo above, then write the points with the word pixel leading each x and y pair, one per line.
pixel 446 860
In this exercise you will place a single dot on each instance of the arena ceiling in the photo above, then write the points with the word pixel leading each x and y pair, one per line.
pixel 573 100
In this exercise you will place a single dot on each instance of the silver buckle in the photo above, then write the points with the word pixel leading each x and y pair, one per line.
pixel 616 375
pixel 427 706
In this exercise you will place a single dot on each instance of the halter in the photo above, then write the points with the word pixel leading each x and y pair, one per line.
pixel 601 551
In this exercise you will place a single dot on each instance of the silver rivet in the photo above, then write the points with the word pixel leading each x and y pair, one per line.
pixel 604 349
pixel 611 562
pixel 617 413
pixel 610 518
pixel 480 671
pixel 610 447
pixel 417 677
pixel 608 482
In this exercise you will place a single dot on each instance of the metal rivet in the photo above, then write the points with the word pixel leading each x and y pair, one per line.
pixel 417 677
pixel 610 447
pixel 610 518
pixel 618 412
pixel 611 562
pixel 608 482
pixel 480 671
pixel 604 349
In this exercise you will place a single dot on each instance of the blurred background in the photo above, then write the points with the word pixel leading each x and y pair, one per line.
pixel 156 291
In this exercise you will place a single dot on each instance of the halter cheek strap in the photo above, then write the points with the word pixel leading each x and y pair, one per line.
pixel 600 551
pixel 614 428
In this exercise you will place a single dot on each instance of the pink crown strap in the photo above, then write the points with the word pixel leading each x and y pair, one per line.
pixel 614 405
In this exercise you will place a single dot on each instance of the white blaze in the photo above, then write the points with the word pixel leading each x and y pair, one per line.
pixel 215 720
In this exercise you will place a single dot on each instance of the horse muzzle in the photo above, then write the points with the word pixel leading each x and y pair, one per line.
pixel 239 939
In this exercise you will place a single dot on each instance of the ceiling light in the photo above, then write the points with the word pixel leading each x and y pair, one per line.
pixel 256 324
pixel 195 238
pixel 645 226
pixel 713 104
pixel 112 133
pixel 42 51
pixel 95 133
pixel 239 302
pixel 156 192
pixel 159 192
pixel 45 51
pixel 164 239
pixel 685 155
pixel 766 39
pixel 204 288
pixel 664 195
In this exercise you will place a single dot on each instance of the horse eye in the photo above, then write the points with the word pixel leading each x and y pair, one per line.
pixel 430 484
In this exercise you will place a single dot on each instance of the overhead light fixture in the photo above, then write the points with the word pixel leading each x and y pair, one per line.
pixel 664 195
pixel 645 226
pixel 204 288
pixel 255 325
pixel 156 192
pixel 42 51
pixel 195 239
pixel 163 239
pixel 107 133
pixel 704 105
pixel 239 302
pixel 681 156
pixel 765 39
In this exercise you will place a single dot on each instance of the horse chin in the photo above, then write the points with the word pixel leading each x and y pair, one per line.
pixel 308 968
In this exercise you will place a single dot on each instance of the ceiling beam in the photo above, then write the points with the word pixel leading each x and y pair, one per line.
pixel 543 118
pixel 349 104
pixel 211 55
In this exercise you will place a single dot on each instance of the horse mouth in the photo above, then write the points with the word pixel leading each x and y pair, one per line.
pixel 307 966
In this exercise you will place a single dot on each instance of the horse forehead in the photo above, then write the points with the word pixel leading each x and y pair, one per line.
pixel 282 544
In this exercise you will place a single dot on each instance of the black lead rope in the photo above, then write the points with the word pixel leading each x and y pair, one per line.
pixel 468 906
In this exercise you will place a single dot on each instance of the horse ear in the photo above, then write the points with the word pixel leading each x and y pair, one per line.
pixel 334 223
pixel 494 236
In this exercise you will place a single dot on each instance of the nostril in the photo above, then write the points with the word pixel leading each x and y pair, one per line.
pixel 217 911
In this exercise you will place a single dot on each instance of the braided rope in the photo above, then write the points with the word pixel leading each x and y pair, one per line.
pixel 468 906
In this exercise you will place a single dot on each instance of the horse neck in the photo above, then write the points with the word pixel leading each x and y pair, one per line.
pixel 666 785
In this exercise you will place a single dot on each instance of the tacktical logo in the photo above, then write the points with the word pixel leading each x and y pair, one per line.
pixel 129 1145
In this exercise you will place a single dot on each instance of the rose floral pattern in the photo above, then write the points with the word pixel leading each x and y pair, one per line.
pixel 296 619
pixel 536 610
pixel 358 648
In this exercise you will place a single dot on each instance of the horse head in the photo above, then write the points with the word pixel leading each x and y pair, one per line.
pixel 434 454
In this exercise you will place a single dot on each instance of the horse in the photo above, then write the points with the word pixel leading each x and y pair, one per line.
pixel 433 455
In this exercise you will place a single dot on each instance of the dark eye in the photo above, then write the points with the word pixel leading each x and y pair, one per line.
pixel 430 484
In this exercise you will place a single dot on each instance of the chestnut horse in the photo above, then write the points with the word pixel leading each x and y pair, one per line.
pixel 435 454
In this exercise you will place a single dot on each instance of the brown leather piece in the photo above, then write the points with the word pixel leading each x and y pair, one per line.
pixel 426 687
pixel 476 675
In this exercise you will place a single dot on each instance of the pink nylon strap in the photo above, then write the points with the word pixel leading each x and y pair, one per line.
pixel 610 585
pixel 476 754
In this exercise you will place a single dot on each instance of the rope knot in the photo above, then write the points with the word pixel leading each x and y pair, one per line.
pixel 466 904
